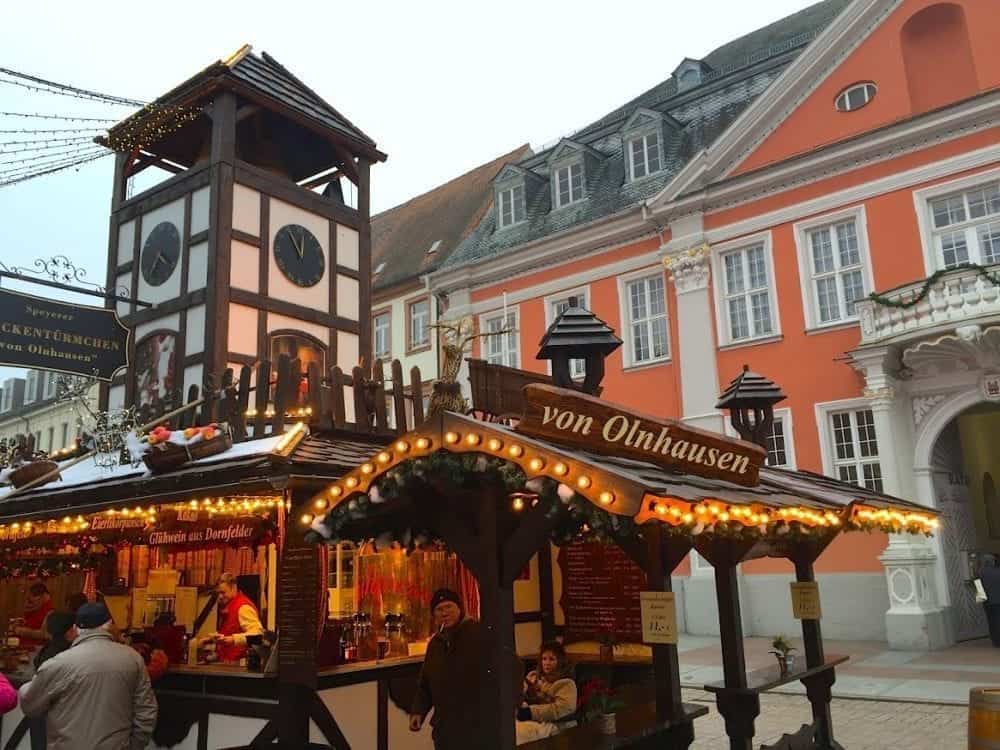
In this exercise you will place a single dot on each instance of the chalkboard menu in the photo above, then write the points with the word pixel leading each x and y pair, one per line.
pixel 298 582
pixel 600 592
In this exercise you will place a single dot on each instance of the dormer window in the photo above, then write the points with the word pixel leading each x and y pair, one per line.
pixel 511 202
pixel 690 73
pixel 568 181
pixel 644 155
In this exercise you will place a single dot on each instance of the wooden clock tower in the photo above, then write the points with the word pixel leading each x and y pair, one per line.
pixel 249 250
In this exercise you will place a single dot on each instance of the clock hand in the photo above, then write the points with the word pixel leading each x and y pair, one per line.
pixel 295 244
pixel 302 246
pixel 156 260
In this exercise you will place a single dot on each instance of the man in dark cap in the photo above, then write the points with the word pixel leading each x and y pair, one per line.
pixel 449 680
pixel 96 694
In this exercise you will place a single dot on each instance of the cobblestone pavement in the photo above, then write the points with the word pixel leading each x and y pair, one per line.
pixel 858 724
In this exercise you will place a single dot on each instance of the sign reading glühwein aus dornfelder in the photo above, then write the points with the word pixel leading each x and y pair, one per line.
pixel 44 334
pixel 583 421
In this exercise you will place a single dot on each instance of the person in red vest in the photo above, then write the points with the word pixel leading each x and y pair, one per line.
pixel 37 607
pixel 238 618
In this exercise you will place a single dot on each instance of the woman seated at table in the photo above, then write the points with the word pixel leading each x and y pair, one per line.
pixel 550 691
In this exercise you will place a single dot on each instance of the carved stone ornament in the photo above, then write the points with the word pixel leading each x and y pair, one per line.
pixel 689 269
pixel 880 396
pixel 923 405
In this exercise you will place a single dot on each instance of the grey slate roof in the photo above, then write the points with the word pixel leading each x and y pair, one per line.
pixel 740 71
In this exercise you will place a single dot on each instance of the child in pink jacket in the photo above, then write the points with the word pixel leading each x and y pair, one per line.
pixel 8 695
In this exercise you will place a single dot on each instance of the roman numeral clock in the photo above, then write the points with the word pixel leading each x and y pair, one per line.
pixel 246 248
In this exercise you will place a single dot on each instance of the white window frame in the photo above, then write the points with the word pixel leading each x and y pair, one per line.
pixel 783 414
pixel 630 156
pixel 804 251
pixel 513 311
pixel 49 387
pixel 845 95
pixel 922 206
pixel 378 313
pixel 412 347
pixel 582 294
pixel 824 425
pixel 625 317
pixel 31 386
pixel 722 326
pixel 556 169
pixel 509 191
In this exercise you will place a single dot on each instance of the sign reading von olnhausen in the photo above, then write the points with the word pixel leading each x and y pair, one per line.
pixel 586 422
pixel 47 335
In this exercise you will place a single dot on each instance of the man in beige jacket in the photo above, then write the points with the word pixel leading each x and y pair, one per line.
pixel 96 694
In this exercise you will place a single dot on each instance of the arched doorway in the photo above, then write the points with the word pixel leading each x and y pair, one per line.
pixel 963 462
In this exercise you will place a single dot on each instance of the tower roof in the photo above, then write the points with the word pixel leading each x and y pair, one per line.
pixel 577 330
pixel 258 80
pixel 749 389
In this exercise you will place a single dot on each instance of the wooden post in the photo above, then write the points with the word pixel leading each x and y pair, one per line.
pixel 819 688
pixel 298 582
pixel 660 563
pixel 496 604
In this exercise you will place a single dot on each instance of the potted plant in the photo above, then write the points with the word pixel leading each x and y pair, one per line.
pixel 606 639
pixel 599 702
pixel 782 649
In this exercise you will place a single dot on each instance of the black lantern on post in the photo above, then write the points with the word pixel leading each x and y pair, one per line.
pixel 750 399
pixel 578 334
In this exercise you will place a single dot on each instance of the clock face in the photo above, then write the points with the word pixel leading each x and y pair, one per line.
pixel 299 255
pixel 160 253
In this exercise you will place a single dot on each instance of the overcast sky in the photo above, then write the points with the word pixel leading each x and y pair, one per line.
pixel 441 86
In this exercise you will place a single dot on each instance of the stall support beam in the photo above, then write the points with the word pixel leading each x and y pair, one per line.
pixel 662 556
pixel 819 686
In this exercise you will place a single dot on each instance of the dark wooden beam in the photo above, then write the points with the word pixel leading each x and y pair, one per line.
pixel 663 554
pixel 321 179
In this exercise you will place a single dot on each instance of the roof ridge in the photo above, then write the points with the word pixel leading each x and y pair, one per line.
pixel 269 59
pixel 466 173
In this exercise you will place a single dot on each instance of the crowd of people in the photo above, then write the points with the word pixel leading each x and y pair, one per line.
pixel 547 695
pixel 90 688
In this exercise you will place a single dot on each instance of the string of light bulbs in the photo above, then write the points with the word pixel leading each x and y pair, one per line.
pixel 46 116
pixel 13 180
pixel 53 130
pixel 76 150
pixel 19 147
pixel 66 89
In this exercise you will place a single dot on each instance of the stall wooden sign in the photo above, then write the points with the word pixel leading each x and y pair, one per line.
pixel 48 335
pixel 659 617
pixel 805 600
pixel 582 421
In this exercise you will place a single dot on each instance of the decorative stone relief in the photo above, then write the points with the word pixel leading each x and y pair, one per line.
pixel 922 405
pixel 689 269
pixel 881 395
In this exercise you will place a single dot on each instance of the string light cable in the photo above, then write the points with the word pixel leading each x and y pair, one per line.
pixel 48 116
pixel 76 150
pixel 5 181
pixel 18 170
pixel 62 89
pixel 20 147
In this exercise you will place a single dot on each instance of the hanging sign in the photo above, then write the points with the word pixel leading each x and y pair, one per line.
pixel 659 617
pixel 990 386
pixel 805 600
pixel 582 421
pixel 44 334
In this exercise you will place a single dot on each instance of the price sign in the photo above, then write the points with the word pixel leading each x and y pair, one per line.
pixel 805 600
pixel 659 617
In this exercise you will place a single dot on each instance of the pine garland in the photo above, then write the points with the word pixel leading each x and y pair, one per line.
pixel 981 271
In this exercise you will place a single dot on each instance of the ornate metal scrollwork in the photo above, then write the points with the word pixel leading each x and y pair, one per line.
pixel 61 270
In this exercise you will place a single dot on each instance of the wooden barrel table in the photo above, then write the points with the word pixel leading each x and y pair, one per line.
pixel 984 718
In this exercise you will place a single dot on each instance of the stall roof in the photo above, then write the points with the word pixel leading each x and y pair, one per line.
pixel 645 491
pixel 250 466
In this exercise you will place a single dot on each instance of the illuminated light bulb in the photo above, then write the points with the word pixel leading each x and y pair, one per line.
pixel 472 439
pixel 675 512
pixel 451 437
pixel 402 446
pixel 334 492
pixel 306 519
pixel 494 444
pixel 126 513
pixel 423 443
pixel 723 516
pixel 764 518
pixel 367 468
pixel 351 482
pixel 606 497
pixel 16 526
pixel 320 504
pixel 754 519
pixel 583 482
pixel 560 469
pixel 518 503
pixel 934 523
pixel 536 464
pixel 661 509
pixel 688 518
pixel 193 504
pixel 700 510
pixel 66 519
pixel 714 510
pixel 516 451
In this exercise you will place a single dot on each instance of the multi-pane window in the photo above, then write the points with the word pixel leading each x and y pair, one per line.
pixel 577 367
pixel 647 319
pixel 747 295
pixel 569 184
pixel 382 335
pixel 51 379
pixel 419 324
pixel 31 387
pixel 65 434
pixel 855 97
pixel 966 226
pixel 501 348
pixel 511 205
pixel 836 266
pixel 855 448
pixel 777 452
pixel 644 155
